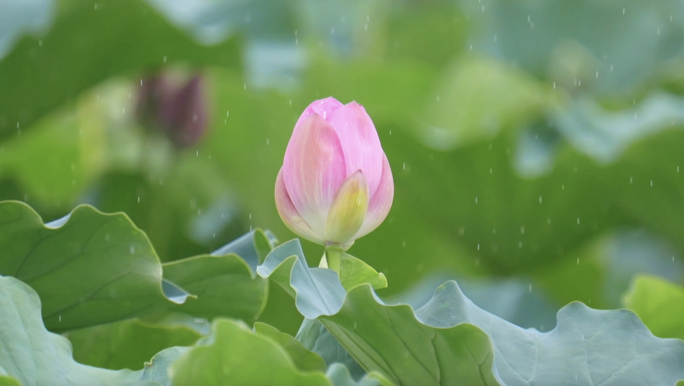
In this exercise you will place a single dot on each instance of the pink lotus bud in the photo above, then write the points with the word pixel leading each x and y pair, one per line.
pixel 179 112
pixel 336 184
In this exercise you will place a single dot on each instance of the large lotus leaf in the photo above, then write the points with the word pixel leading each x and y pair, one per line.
pixel 303 359
pixel 92 268
pixel 659 304
pixel 451 340
pixel 8 381
pixel 89 268
pixel 286 265
pixel 237 356
pixel 36 357
pixel 587 347
pixel 319 292
pixel 22 17
pixel 234 355
pixel 31 355
pixel 605 134
pixel 567 40
pixel 340 376
pixel 127 344
pixel 316 338
pixel 150 42
pixel 223 286
pixel 479 96
pixel 516 300
pixel 70 147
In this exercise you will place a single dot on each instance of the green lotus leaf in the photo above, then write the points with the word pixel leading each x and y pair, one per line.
pixel 237 356
pixel 659 304
pixel 31 355
pixel 451 340
pixel 304 360
pixel 91 268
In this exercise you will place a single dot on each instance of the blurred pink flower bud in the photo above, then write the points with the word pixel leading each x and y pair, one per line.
pixel 335 184
pixel 178 112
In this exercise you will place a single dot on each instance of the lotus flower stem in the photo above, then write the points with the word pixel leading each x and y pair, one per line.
pixel 333 256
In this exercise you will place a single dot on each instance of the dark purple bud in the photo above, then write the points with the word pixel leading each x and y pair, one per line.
pixel 152 92
pixel 180 113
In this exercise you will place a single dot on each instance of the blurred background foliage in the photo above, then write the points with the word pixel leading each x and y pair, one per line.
pixel 536 145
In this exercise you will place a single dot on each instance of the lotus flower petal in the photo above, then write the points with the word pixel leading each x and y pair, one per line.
pixel 322 107
pixel 360 142
pixel 380 203
pixel 313 170
pixel 289 215
pixel 348 209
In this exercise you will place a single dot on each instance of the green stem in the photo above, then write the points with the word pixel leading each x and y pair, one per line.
pixel 333 256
